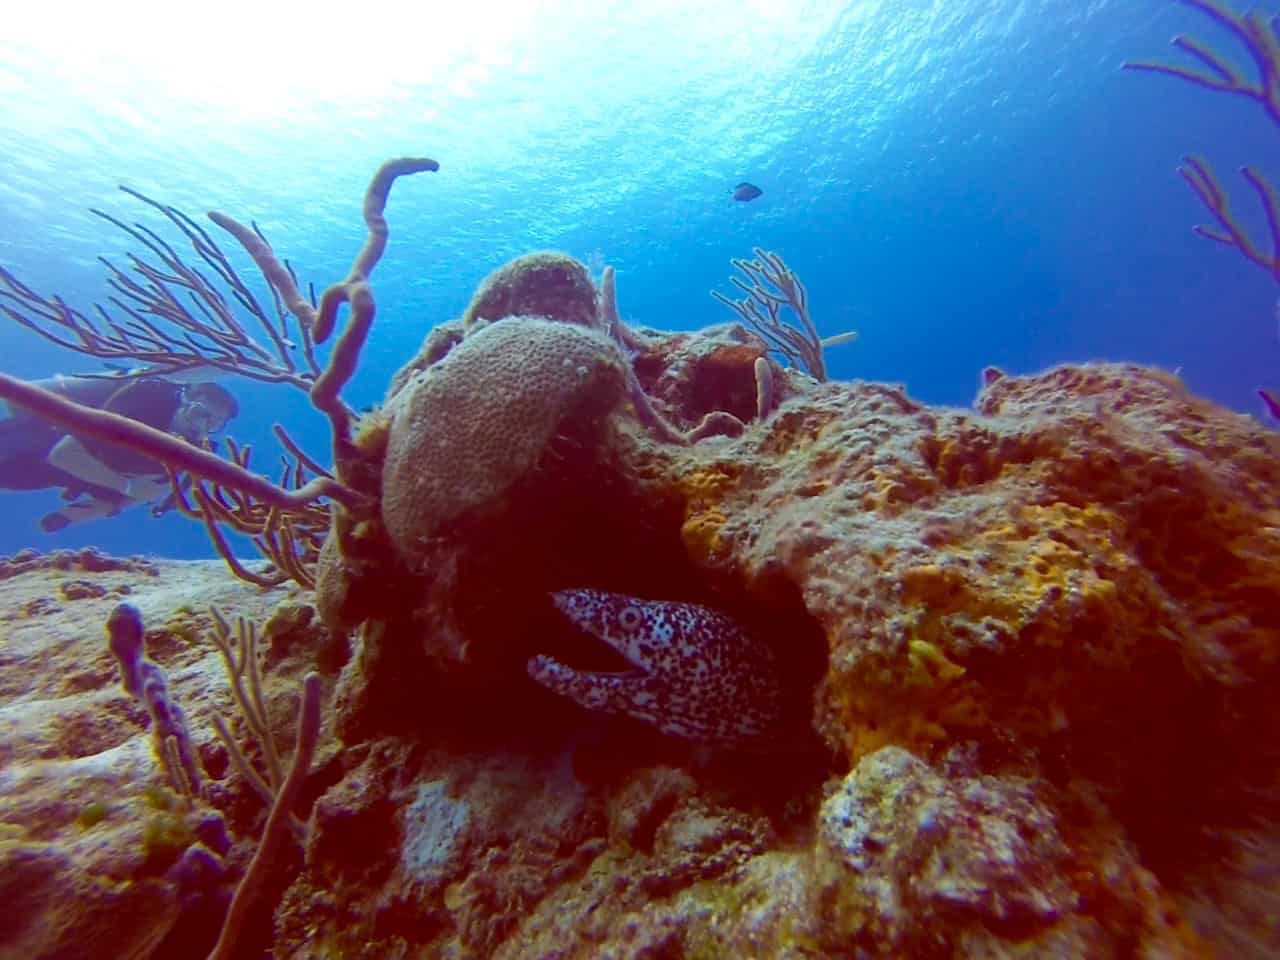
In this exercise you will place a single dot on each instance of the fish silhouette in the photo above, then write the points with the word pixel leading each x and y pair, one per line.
pixel 746 191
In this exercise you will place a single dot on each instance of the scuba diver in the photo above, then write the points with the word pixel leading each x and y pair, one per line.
pixel 99 479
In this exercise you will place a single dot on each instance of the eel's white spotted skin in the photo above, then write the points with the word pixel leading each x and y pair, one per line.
pixel 696 674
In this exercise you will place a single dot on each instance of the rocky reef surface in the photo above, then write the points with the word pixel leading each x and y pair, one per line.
pixel 92 838
pixel 1024 656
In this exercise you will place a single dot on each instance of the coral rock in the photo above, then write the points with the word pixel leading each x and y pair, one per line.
pixel 917 848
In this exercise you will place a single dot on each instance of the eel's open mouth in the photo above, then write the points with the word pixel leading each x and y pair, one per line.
pixel 590 647
pixel 607 654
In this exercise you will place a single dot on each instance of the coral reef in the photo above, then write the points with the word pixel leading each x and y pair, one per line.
pixel 925 681
pixel 1027 650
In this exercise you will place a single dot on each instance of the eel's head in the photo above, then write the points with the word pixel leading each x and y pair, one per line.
pixel 692 673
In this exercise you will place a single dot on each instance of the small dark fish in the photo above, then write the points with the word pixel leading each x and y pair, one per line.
pixel 746 191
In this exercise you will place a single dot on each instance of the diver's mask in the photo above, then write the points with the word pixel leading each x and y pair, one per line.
pixel 195 420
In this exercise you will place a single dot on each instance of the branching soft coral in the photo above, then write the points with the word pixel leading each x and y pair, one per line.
pixel 1260 34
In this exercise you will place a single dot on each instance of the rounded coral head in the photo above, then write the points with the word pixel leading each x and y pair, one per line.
pixel 466 429
pixel 547 284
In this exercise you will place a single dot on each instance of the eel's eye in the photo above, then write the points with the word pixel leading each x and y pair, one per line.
pixel 629 618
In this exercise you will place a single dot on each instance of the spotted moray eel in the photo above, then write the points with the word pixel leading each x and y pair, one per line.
pixel 695 673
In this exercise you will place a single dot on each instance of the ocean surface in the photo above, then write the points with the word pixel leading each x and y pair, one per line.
pixel 965 183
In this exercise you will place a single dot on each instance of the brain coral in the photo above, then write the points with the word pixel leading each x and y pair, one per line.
pixel 465 429
pixel 547 284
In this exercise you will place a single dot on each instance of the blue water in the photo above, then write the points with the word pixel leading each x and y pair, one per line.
pixel 965 183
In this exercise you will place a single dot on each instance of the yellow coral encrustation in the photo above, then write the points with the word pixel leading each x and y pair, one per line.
pixel 929 665
pixel 1067 544
pixel 186 625
pixel 1057 580
pixel 1019 571
pixel 703 490
pixel 701 535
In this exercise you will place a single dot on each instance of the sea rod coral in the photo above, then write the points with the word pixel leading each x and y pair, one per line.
pixel 146 682
pixel 772 286
pixel 280 518
pixel 1260 34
